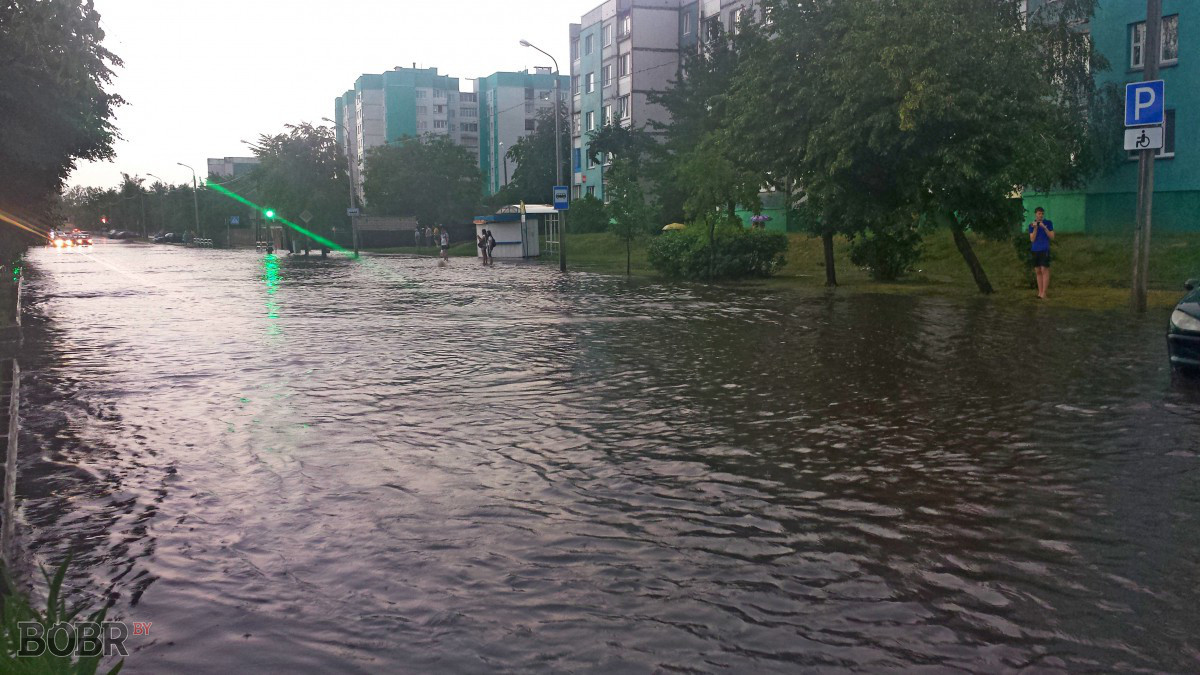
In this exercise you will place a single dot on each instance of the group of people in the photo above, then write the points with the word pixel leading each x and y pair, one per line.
pixel 486 243
pixel 429 236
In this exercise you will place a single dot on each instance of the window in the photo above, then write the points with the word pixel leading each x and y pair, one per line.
pixel 575 84
pixel 529 107
pixel 624 65
pixel 591 83
pixel 470 126
pixel 421 93
pixel 469 112
pixel 626 23
pixel 608 117
pixel 1168 149
pixel 528 93
pixel 591 190
pixel 530 125
pixel 735 18
pixel 422 110
pixel 422 125
pixel 591 161
pixel 575 49
pixel 587 45
pixel 575 124
pixel 687 23
pixel 574 192
pixel 469 97
pixel 439 124
pixel 606 78
pixel 1168 55
pixel 624 108
pixel 606 34
pixel 439 93
pixel 590 122
pixel 439 110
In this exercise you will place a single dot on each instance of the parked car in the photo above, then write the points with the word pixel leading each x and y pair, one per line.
pixel 169 238
pixel 1183 340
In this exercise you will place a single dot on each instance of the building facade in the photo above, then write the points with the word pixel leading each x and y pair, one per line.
pixel 509 107
pixel 383 108
pixel 1107 205
pixel 622 52
pixel 235 167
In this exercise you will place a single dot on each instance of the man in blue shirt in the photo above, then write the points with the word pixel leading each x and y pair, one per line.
pixel 1041 233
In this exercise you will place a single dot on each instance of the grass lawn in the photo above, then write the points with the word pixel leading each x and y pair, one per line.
pixel 1088 271
pixel 461 250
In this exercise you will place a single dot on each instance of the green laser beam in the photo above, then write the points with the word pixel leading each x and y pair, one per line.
pixel 222 190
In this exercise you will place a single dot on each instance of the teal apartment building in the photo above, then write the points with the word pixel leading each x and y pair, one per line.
pixel 1107 204
pixel 510 104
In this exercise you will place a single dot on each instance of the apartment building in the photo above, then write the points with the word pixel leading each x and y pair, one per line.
pixel 383 108
pixel 1108 203
pixel 509 106
pixel 235 167
pixel 623 51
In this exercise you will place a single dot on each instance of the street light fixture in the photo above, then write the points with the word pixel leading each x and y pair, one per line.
pixel 562 219
pixel 350 169
pixel 195 199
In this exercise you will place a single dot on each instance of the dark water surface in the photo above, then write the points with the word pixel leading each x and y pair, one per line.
pixel 304 465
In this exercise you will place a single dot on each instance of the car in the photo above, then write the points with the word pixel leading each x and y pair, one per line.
pixel 81 238
pixel 1183 340
pixel 168 238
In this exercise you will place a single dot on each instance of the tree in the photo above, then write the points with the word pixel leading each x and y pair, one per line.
pixel 939 108
pixel 630 216
pixel 53 103
pixel 303 169
pixel 430 178
pixel 534 177
pixel 715 185
pixel 588 214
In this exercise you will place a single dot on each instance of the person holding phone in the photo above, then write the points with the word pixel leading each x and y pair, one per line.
pixel 1041 233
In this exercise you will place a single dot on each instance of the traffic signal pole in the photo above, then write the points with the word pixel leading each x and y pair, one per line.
pixel 1145 199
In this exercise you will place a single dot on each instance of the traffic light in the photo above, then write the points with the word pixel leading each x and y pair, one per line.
pixel 103 220
pixel 269 213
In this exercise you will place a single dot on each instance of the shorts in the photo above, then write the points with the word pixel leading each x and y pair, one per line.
pixel 445 248
pixel 1041 259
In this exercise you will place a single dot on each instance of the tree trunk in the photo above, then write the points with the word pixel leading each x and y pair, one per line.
pixel 830 270
pixel 964 247
pixel 628 256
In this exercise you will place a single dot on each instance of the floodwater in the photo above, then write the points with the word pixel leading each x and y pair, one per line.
pixel 300 465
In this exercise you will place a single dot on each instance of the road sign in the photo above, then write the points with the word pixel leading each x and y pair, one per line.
pixel 352 212
pixel 235 220
pixel 1145 138
pixel 561 198
pixel 1144 103
pixel 306 216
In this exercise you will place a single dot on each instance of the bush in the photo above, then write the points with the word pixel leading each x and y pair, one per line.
pixel 587 215
pixel 887 252
pixel 738 254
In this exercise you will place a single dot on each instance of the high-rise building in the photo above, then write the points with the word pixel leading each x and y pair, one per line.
pixel 622 52
pixel 383 108
pixel 235 167
pixel 509 107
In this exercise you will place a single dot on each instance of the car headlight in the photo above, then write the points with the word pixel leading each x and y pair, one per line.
pixel 1187 322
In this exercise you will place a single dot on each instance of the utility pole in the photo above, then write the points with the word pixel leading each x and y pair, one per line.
pixel 195 198
pixel 562 217
pixel 1145 200
pixel 350 164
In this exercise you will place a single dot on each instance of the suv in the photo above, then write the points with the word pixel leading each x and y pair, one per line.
pixel 1183 338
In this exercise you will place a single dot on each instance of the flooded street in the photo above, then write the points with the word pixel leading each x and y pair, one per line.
pixel 321 465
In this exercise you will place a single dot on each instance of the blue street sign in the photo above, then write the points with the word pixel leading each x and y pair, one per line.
pixel 561 198
pixel 1144 103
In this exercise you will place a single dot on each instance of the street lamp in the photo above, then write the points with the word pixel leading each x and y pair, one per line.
pixel 195 199
pixel 350 169
pixel 562 220
pixel 504 158
pixel 162 210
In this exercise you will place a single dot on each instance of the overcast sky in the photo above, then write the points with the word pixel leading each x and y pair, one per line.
pixel 200 77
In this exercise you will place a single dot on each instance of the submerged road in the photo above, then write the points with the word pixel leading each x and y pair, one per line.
pixel 302 465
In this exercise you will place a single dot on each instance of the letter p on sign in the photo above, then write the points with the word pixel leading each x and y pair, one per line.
pixel 1144 103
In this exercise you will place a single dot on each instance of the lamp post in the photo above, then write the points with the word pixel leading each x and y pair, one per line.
pixel 504 158
pixel 562 219
pixel 350 170
pixel 195 198
pixel 162 209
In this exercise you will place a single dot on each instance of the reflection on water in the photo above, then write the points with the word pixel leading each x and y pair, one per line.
pixel 396 466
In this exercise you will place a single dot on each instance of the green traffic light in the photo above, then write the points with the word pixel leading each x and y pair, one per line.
pixel 270 213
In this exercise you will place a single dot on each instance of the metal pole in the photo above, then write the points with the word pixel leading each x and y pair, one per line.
pixel 350 163
pixel 1145 203
pixel 195 198
pixel 562 220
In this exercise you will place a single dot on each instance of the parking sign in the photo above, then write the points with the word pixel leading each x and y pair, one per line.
pixel 1144 103
pixel 561 201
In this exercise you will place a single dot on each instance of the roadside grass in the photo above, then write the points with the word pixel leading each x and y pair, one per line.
pixel 18 609
pixel 460 250
pixel 1089 271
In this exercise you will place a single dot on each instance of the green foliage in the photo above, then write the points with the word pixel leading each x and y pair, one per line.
pixel 303 169
pixel 887 252
pixel 588 215
pixel 430 178
pixel 734 253
pixel 534 177
pixel 18 609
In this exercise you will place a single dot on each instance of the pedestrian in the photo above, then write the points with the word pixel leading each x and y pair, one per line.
pixel 482 243
pixel 1041 233
pixel 491 246
pixel 445 245
pixel 428 236
pixel 417 237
